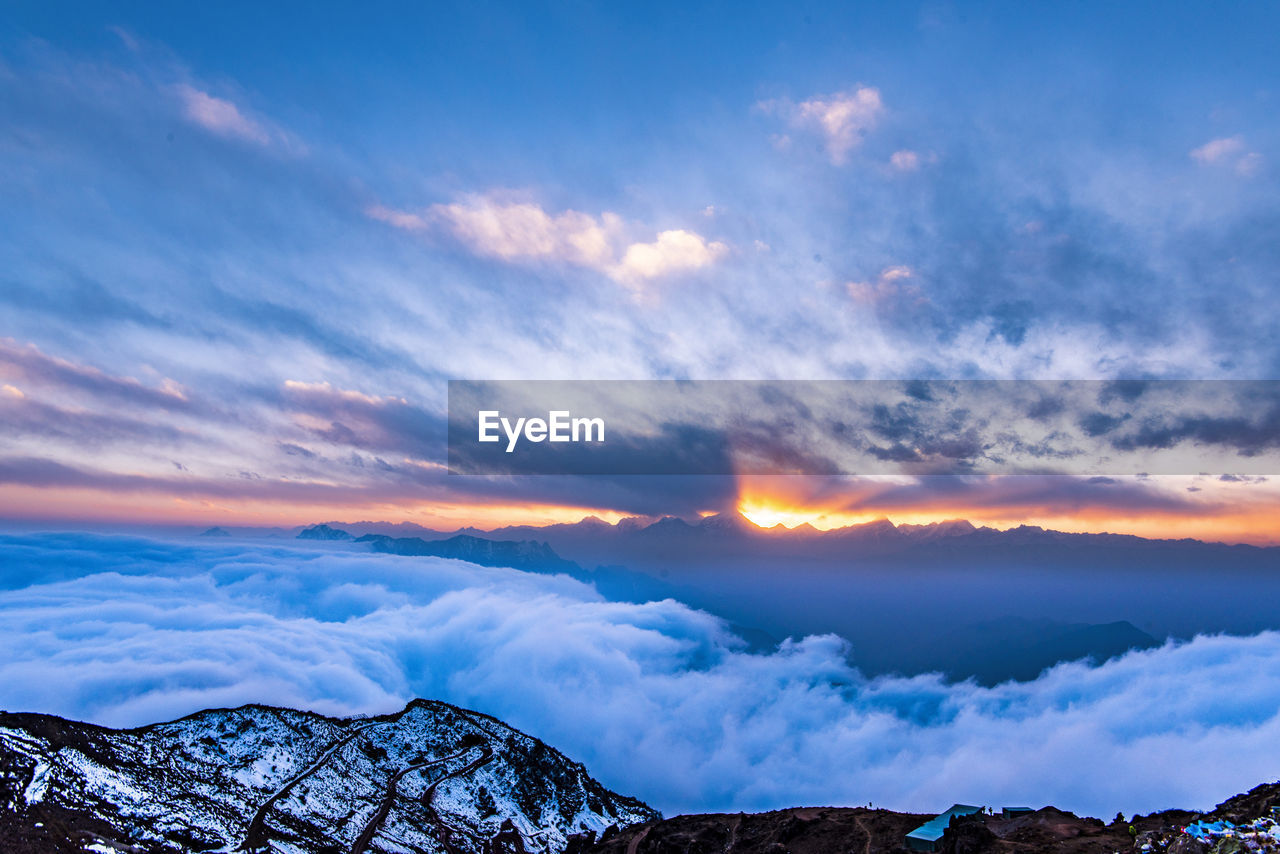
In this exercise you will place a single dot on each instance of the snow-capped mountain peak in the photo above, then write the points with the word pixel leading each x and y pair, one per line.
pixel 432 777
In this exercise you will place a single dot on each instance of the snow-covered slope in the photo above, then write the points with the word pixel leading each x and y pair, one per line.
pixel 432 778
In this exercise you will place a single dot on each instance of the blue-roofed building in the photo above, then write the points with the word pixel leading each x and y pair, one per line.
pixel 928 836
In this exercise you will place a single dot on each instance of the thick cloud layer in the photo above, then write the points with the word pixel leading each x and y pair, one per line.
pixel 659 700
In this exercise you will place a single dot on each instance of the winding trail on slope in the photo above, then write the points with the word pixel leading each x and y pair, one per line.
pixel 257 827
pixel 866 849
pixel 733 834
pixel 375 821
pixel 634 845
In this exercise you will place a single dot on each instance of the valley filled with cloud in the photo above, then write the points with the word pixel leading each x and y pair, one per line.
pixel 658 699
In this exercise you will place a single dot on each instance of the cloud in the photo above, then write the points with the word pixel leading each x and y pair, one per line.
pixel 841 119
pixel 1247 435
pixel 23 416
pixel 893 290
pixel 1231 148
pixel 128 39
pixel 524 231
pixel 398 219
pixel 673 252
pixel 1217 149
pixel 905 160
pixel 348 417
pixel 1249 164
pixel 659 700
pixel 29 364
pixel 220 116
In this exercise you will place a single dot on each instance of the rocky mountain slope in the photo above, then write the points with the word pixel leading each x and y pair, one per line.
pixel 431 778
pixel 1243 824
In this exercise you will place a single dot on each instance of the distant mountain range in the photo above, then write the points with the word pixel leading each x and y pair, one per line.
pixel 965 601
pixel 520 554
pixel 731 536
pixel 430 778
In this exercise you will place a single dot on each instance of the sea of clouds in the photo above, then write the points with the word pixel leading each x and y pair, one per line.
pixel 659 700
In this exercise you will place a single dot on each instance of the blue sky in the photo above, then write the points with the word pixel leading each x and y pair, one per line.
pixel 240 205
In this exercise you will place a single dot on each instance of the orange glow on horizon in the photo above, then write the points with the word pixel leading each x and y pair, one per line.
pixel 766 502
pixel 84 505
pixel 1254 529
pixel 766 515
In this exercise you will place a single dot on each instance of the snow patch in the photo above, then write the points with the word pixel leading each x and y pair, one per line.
pixel 39 784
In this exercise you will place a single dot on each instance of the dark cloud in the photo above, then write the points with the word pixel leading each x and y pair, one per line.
pixel 1247 436
pixel 1127 391
pixel 1026 493
pixel 1100 423
pixel 1046 407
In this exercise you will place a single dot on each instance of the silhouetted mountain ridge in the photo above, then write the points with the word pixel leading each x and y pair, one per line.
pixel 519 554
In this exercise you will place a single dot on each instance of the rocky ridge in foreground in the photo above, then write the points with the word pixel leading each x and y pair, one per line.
pixel 1243 824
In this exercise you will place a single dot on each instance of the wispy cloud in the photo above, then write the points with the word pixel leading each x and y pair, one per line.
pixel 905 160
pixel 1249 164
pixel 351 418
pixel 1217 149
pixel 1231 150
pixel 894 288
pixel 224 118
pixel 29 364
pixel 520 231
pixel 842 119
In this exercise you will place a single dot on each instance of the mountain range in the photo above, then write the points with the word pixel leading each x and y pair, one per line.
pixel 732 536
pixel 965 601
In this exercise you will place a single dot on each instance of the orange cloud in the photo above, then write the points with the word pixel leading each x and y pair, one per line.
pixel 90 505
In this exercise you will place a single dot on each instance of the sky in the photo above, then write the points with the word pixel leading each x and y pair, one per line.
pixel 243 247
pixel 659 700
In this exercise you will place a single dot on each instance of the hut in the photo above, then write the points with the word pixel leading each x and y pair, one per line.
pixel 928 836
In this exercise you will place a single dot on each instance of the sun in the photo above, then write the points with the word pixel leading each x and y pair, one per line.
pixel 768 515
